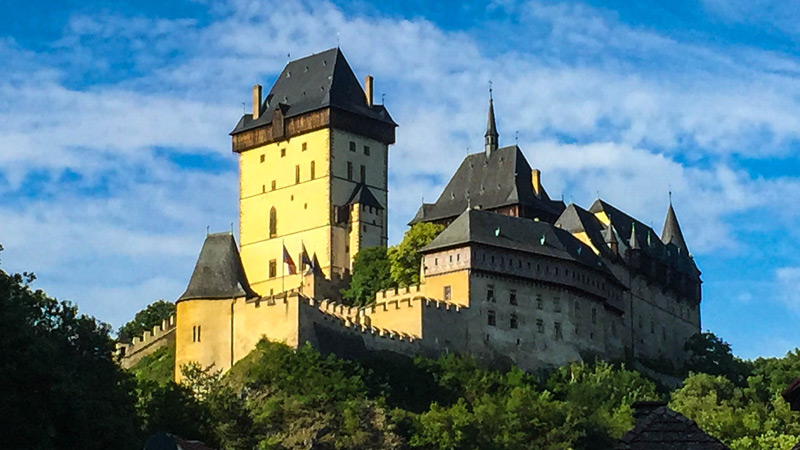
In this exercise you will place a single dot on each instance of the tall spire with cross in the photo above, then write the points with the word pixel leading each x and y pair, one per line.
pixel 490 138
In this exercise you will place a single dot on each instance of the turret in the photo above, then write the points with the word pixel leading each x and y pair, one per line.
pixel 611 239
pixel 490 138
pixel 672 232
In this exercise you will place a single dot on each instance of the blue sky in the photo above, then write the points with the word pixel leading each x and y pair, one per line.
pixel 114 121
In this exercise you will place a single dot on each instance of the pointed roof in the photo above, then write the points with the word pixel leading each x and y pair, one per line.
pixel 218 273
pixel 672 231
pixel 660 428
pixel 314 82
pixel 363 196
pixel 634 242
pixel 578 220
pixel 482 182
pixel 609 235
pixel 491 125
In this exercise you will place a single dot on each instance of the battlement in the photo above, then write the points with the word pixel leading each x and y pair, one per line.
pixel 331 312
pixel 141 346
pixel 393 293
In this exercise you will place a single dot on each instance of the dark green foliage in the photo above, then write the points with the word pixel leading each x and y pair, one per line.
pixel 171 408
pixel 157 366
pixel 60 384
pixel 147 318
pixel 709 354
pixel 370 275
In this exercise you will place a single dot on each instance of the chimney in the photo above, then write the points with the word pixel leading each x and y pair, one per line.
pixel 645 408
pixel 536 181
pixel 256 101
pixel 368 89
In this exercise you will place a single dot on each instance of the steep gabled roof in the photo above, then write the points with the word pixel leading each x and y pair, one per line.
pixel 218 273
pixel 576 219
pixel 665 429
pixel 671 234
pixel 311 83
pixel 515 233
pixel 502 179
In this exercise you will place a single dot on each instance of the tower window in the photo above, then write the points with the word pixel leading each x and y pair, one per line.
pixel 448 293
pixel 490 293
pixel 273 185
pixel 491 319
pixel 352 146
pixel 558 334
pixel 273 222
pixel 349 170
pixel 577 308
pixel 539 302
pixel 363 174
pixel 366 150
pixel 273 268
pixel 283 152
pixel 313 170
pixel 512 297
pixel 304 146
pixel 594 316
pixel 540 326
pixel 556 304
pixel 196 333
pixel 514 321
pixel 262 158
pixel 296 174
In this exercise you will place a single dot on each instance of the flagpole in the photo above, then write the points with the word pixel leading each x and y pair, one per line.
pixel 283 266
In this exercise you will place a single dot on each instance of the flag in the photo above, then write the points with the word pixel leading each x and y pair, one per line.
pixel 305 261
pixel 287 259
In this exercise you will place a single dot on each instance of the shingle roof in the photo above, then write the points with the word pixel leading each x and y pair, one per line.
pixel 646 238
pixel 314 82
pixel 576 219
pixel 665 429
pixel 515 233
pixel 672 231
pixel 502 179
pixel 218 273
pixel 364 196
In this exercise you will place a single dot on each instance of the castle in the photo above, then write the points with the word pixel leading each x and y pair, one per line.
pixel 514 278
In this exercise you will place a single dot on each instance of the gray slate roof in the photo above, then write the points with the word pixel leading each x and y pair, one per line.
pixel 502 179
pixel 515 233
pixel 364 196
pixel 646 238
pixel 218 273
pixel 665 429
pixel 315 82
pixel 672 231
pixel 576 219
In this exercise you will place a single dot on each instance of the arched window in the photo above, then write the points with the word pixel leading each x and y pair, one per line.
pixel 273 222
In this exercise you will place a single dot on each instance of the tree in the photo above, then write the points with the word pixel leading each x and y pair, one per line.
pixel 370 275
pixel 146 319
pixel 58 375
pixel 709 354
pixel 405 257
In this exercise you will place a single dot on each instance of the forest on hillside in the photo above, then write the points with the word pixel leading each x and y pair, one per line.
pixel 63 389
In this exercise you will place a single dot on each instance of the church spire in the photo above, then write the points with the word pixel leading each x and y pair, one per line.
pixel 490 138
pixel 672 231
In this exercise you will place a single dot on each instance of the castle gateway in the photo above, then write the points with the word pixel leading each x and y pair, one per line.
pixel 515 277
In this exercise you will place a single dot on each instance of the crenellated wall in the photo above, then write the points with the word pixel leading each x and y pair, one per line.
pixel 160 336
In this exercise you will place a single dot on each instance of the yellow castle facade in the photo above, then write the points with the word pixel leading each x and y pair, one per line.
pixel 514 278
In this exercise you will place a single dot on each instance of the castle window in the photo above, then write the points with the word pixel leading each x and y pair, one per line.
pixel 448 293
pixel 273 222
pixel 577 308
pixel 352 146
pixel 366 150
pixel 556 304
pixel 557 333
pixel 451 259
pixel 491 319
pixel 363 174
pixel 296 174
pixel 263 188
pixel 273 268
pixel 652 327
pixel 540 326
pixel 490 293
pixel 349 170
pixel 435 261
pixel 594 316
pixel 514 323
pixel 262 158
pixel 365 228
pixel 304 146
pixel 664 333
pixel 273 185
pixel 196 333
pixel 539 302
pixel 283 152
pixel 512 297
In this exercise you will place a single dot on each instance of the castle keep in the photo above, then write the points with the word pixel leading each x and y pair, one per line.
pixel 515 277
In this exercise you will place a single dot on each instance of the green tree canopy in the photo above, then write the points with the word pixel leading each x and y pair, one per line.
pixel 370 275
pixel 147 318
pixel 405 257
pixel 707 353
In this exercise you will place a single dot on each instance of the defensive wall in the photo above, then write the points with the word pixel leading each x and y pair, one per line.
pixel 161 335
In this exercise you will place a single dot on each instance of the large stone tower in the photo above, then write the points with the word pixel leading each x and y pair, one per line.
pixel 313 161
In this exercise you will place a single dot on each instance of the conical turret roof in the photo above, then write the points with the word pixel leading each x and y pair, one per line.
pixel 672 232
pixel 218 273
